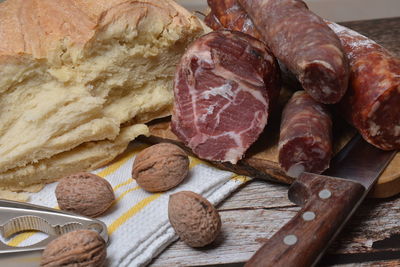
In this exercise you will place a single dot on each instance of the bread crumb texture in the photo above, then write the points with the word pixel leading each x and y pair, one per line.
pixel 79 78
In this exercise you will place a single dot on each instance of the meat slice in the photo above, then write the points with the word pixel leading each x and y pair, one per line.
pixel 225 85
pixel 305 141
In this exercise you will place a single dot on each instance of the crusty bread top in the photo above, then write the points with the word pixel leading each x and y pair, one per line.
pixel 77 71
pixel 36 27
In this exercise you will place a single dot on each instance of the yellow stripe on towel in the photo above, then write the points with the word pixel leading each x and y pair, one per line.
pixel 124 194
pixel 17 240
pixel 130 180
pixel 131 212
pixel 20 238
pixel 240 178
pixel 142 204
pixel 121 161
pixel 195 161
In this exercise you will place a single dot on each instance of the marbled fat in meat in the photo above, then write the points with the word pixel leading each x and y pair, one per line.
pixel 224 88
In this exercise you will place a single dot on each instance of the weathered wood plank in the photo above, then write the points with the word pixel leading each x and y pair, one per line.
pixel 242 233
pixel 386 32
pixel 390 263
pixel 256 211
pixel 258 194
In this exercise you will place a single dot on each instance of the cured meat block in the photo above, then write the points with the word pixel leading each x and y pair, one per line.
pixel 372 104
pixel 305 141
pixel 304 43
pixel 225 86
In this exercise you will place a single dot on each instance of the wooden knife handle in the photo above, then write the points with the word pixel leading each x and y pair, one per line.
pixel 327 203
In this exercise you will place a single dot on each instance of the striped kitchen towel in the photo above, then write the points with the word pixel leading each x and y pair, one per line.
pixel 138 223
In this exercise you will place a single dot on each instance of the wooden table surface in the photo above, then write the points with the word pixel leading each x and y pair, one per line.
pixel 257 210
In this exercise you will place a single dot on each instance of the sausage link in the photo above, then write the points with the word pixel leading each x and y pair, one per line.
pixel 229 14
pixel 305 141
pixel 304 43
pixel 213 22
pixel 372 103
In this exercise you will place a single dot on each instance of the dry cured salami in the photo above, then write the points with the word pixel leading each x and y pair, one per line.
pixel 304 43
pixel 230 15
pixel 305 141
pixel 372 103
pixel 224 88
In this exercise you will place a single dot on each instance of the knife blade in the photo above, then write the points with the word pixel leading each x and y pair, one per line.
pixel 327 202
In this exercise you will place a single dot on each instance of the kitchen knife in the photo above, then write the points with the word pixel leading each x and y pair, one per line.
pixel 327 202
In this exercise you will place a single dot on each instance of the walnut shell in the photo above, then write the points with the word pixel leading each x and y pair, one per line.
pixel 160 167
pixel 77 248
pixel 194 219
pixel 84 193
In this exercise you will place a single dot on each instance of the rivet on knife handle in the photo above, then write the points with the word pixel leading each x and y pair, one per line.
pixel 326 203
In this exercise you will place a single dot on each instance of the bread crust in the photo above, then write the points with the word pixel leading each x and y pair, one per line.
pixel 39 27
pixel 74 72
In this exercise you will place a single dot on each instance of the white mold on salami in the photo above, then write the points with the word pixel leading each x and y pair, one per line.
pixel 248 24
pixel 396 130
pixel 372 103
pixel 374 128
pixel 356 43
pixel 233 9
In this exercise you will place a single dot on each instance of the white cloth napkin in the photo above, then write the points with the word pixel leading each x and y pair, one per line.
pixel 138 223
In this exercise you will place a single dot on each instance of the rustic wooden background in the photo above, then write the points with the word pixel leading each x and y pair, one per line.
pixel 258 209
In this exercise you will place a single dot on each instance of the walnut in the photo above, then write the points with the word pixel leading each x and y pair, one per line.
pixel 77 248
pixel 194 219
pixel 84 193
pixel 160 167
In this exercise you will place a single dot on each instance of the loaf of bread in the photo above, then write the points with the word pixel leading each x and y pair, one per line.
pixel 79 78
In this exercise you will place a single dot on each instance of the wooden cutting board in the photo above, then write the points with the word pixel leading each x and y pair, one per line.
pixel 261 160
